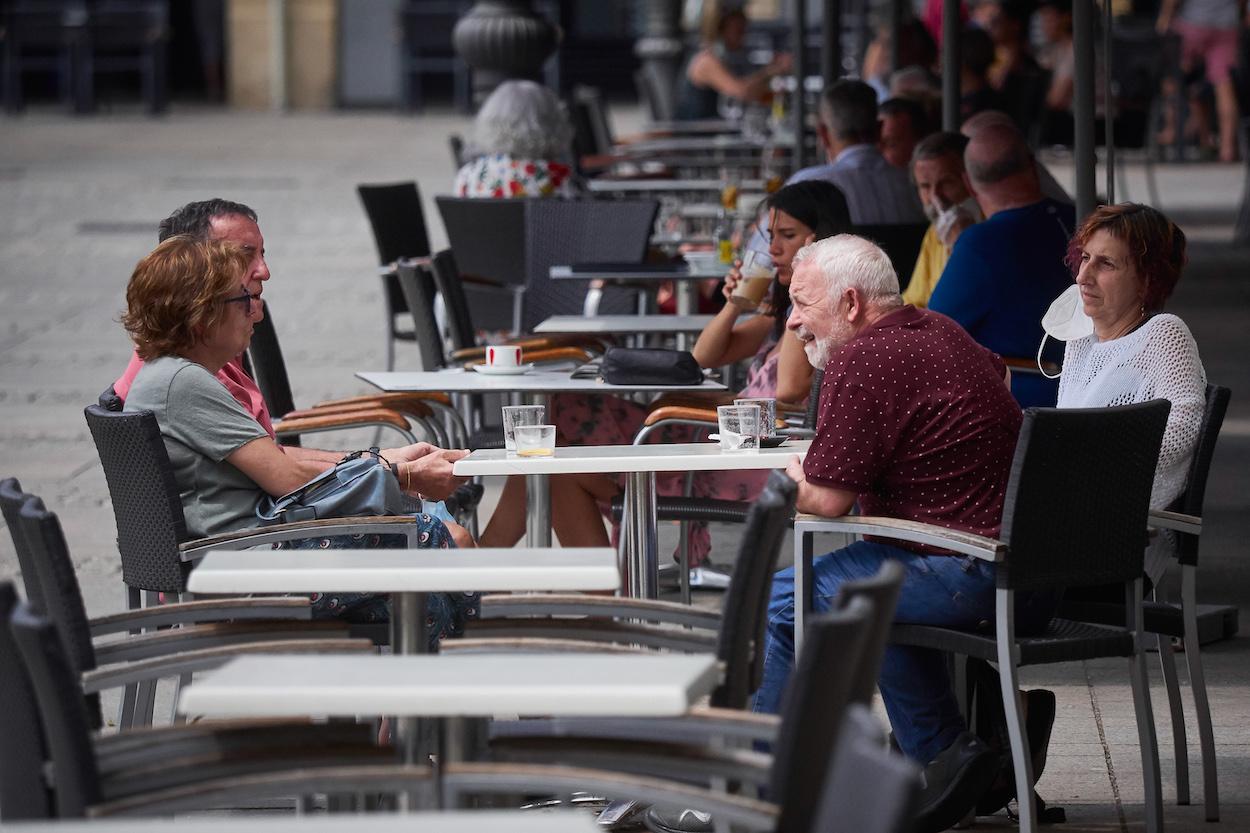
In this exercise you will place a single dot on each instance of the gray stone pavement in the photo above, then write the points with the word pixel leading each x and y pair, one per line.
pixel 79 202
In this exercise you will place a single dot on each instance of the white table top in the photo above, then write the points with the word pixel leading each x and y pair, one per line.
pixel 626 458
pixel 609 324
pixel 470 685
pixel 411 571
pixel 629 186
pixel 679 272
pixel 446 821
pixel 538 381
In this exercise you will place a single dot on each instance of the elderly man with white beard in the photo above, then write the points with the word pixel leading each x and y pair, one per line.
pixel 917 422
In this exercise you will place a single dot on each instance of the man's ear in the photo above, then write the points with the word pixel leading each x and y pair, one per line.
pixel 810 239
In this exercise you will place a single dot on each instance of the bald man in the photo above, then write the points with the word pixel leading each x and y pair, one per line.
pixel 987 118
pixel 1003 273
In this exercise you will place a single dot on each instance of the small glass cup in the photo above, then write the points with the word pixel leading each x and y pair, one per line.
pixel 757 276
pixel 768 414
pixel 739 427
pixel 517 415
pixel 535 440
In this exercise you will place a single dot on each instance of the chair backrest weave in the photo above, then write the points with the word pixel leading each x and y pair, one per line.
pixel 1191 500
pixel 1077 502
pixel 486 236
pixel 11 499
pixel 812 711
pixel 813 400
pixel 901 241
pixel 416 284
pixel 23 793
pixel 459 319
pixel 398 222
pixel 269 367
pixel 146 504
pixel 561 232
pixel 740 642
pixel 63 597
pixel 64 717
pixel 882 590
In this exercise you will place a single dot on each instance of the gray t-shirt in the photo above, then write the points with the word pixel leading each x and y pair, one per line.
pixel 201 424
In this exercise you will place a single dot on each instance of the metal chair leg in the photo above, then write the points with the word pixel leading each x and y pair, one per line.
pixel 1145 715
pixel 1009 681
pixel 1179 742
pixel 1198 683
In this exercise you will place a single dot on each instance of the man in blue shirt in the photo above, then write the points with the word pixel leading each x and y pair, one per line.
pixel 1004 273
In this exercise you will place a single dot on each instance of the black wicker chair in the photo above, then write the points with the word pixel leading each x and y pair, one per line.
pixel 193 636
pixel 11 500
pixel 398 222
pixel 867 790
pixel 199 765
pixel 665 769
pixel 1074 515
pixel 901 241
pixel 1168 620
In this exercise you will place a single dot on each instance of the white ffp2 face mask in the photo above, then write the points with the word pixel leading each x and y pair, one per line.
pixel 1065 321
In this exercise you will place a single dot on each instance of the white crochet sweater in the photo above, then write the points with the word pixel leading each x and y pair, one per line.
pixel 1158 360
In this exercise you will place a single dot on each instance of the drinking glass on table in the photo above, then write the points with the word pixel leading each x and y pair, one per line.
pixel 535 440
pixel 518 415
pixel 768 414
pixel 757 274
pixel 739 427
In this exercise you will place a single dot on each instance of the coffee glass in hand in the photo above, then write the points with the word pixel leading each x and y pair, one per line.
pixel 757 274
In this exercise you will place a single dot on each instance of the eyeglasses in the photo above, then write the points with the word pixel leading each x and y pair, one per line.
pixel 246 299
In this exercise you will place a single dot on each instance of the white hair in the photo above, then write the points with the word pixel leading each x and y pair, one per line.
pixel 845 261
pixel 522 119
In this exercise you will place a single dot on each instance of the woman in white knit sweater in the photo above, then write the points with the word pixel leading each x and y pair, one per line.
pixel 1127 260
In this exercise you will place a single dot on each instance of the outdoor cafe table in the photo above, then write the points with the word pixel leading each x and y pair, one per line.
pixel 667 186
pixel 537 386
pixel 625 324
pixel 445 821
pixel 470 685
pixel 640 557
pixel 685 279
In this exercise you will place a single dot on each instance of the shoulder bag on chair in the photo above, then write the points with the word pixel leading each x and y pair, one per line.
pixel 361 484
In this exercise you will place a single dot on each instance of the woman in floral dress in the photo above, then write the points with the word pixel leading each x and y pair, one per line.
pixel 797 215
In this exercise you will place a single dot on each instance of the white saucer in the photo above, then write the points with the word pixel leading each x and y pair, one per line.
pixel 490 370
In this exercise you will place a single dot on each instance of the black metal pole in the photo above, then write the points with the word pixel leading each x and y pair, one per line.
pixel 951 36
pixel 800 74
pixel 1108 102
pixel 1083 107
pixel 896 29
pixel 831 41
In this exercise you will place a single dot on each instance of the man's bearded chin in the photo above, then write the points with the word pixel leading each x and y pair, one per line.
pixel 818 351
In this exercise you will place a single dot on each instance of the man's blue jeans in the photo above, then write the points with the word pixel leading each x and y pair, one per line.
pixel 948 590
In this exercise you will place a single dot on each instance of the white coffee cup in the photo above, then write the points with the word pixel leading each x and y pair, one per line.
pixel 503 355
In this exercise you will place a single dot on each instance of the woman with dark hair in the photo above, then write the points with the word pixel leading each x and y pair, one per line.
pixel 1127 260
pixel 797 215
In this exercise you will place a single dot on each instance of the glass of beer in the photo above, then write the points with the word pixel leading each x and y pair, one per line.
pixel 757 275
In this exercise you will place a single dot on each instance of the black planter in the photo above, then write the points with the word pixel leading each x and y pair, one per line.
pixel 502 39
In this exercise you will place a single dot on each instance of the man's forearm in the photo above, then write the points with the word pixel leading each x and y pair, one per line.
pixel 312 455
pixel 825 501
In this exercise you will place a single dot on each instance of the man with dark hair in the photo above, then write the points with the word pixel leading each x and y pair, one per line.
pixel 903 124
pixel 876 192
pixel 1004 273
pixel 219 219
pixel 937 168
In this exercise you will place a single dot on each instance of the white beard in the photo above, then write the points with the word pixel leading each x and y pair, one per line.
pixel 818 351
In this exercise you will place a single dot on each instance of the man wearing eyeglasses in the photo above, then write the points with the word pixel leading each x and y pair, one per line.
pixel 219 219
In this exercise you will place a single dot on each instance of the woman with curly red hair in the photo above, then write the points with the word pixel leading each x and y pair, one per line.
pixel 1127 260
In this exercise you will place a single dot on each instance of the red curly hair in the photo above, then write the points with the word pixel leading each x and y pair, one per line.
pixel 1156 246
pixel 176 292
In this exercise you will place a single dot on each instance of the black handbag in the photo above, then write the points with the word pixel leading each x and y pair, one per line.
pixel 649 366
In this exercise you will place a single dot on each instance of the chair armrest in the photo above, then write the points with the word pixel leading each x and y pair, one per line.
pixel 365 405
pixel 399 400
pixel 1029 366
pixel 978 546
pixel 203 610
pixel 594 632
pixel 683 413
pixel 501 605
pixel 382 524
pixel 1178 521
pixel 213 635
pixel 204 659
pixel 342 419
pixel 688 399
pixel 701 724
